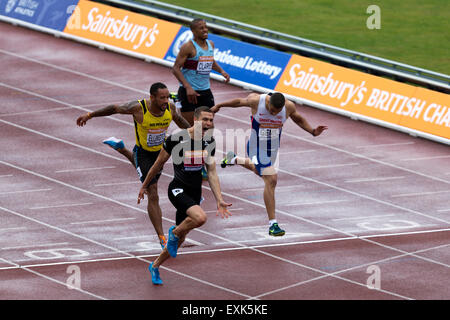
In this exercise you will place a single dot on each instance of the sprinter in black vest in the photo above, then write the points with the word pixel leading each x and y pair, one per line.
pixel 190 150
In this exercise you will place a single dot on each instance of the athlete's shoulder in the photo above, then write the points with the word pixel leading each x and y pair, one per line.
pixel 253 97
pixel 187 48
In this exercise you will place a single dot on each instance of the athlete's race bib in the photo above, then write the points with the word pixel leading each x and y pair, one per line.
pixel 268 133
pixel 155 137
pixel 205 64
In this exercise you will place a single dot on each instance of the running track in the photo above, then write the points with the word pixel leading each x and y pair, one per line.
pixel 356 202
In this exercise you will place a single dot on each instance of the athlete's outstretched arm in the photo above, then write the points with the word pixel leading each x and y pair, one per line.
pixel 250 101
pixel 154 170
pixel 302 122
pixel 213 179
pixel 127 108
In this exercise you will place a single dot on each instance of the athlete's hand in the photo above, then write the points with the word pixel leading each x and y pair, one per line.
pixel 226 76
pixel 192 95
pixel 142 192
pixel 222 209
pixel 214 109
pixel 81 121
pixel 317 131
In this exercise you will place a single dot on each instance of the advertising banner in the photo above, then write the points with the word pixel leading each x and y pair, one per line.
pixel 122 29
pixel 51 14
pixel 242 61
pixel 375 97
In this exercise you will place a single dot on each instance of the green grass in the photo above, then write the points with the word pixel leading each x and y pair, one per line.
pixel 412 31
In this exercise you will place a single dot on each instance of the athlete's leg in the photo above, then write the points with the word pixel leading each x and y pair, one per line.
pixel 119 146
pixel 270 182
pixel 127 154
pixel 164 255
pixel 196 218
pixel 153 208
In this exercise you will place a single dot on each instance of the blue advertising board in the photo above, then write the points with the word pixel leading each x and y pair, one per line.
pixel 242 61
pixel 51 14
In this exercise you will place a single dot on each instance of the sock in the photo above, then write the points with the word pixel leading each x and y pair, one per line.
pixel 271 222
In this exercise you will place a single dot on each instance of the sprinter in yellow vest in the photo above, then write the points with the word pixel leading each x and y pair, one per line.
pixel 152 118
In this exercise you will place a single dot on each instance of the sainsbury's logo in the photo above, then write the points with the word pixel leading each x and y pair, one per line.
pixel 120 28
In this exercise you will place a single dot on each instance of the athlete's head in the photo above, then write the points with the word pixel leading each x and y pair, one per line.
pixel 199 29
pixel 203 119
pixel 159 95
pixel 276 102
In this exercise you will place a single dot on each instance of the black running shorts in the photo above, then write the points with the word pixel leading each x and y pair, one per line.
pixel 143 161
pixel 205 98
pixel 183 198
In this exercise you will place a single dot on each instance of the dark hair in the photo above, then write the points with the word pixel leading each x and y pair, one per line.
pixel 277 100
pixel 156 86
pixel 194 22
pixel 198 111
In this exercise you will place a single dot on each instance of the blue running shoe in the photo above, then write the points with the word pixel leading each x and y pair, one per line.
pixel 114 143
pixel 276 231
pixel 155 275
pixel 172 243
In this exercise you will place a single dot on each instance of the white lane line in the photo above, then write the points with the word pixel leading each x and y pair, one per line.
pixel 103 221
pixel 365 217
pixel 377 179
pixel 278 189
pixel 296 152
pixel 62 206
pixel 415 194
pixel 25 191
pixel 5 175
pixel 36 245
pixel 230 209
pixel 386 145
pixel 315 203
pixel 116 183
pixel 426 158
pixel 13 229
pixel 330 166
pixel 85 169
pixel 15 114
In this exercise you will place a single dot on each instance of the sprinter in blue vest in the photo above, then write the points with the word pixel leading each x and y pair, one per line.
pixel 192 67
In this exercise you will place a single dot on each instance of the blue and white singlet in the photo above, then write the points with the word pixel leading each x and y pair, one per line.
pixel 264 142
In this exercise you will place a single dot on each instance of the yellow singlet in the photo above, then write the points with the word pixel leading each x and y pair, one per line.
pixel 150 134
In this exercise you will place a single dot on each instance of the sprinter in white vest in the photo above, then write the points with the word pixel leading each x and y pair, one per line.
pixel 269 112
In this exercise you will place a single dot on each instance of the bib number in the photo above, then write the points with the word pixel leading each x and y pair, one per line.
pixel 268 134
pixel 205 64
pixel 155 138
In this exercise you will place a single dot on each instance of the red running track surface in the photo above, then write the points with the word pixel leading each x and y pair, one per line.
pixel 363 206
